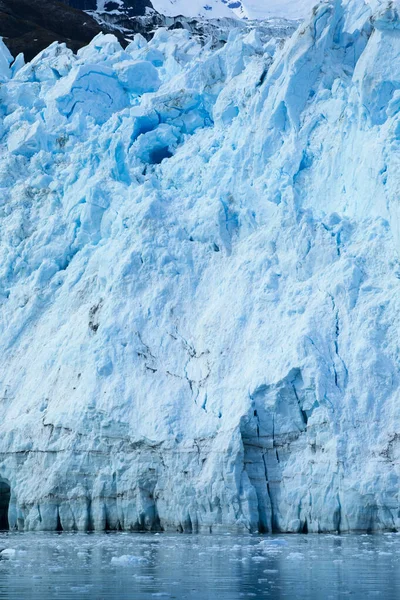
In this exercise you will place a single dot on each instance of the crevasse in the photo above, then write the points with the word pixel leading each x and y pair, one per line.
pixel 199 280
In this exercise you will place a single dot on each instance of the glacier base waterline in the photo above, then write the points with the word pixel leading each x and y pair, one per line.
pixel 199 280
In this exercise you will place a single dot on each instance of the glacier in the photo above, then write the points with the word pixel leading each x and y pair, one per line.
pixel 199 280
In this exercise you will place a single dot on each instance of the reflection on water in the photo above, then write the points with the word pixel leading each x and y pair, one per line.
pixel 223 567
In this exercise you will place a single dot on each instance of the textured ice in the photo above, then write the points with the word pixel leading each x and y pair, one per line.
pixel 199 280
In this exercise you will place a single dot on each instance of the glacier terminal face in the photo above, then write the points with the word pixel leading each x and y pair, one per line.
pixel 199 280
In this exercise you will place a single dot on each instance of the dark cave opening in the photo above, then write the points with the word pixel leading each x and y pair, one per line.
pixel 59 526
pixel 5 494
pixel 157 155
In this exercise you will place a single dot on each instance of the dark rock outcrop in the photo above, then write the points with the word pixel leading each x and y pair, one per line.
pixel 29 26
pixel 132 8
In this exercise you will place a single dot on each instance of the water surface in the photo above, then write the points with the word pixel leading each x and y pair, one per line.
pixel 120 566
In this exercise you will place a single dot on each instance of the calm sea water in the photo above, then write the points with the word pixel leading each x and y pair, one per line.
pixel 123 566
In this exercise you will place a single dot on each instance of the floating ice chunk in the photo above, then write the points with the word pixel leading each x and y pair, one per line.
pixel 8 553
pixel 127 559
pixel 270 571
pixel 272 542
pixel 138 77
pixel 295 555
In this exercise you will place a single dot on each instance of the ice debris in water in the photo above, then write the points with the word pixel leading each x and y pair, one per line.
pixel 127 559
pixel 8 553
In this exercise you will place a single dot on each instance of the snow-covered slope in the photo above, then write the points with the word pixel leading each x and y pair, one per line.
pixel 286 9
pixel 249 9
pixel 212 9
pixel 199 280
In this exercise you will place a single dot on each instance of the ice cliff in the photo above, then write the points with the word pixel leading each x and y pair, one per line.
pixel 199 280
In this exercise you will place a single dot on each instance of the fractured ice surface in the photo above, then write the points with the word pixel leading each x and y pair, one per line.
pixel 199 280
